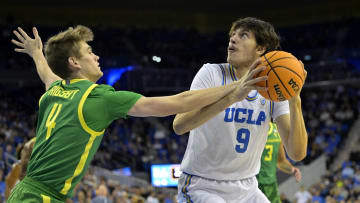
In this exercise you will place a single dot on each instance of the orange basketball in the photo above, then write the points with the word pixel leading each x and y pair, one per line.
pixel 285 73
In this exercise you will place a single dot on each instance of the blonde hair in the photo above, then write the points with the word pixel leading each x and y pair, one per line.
pixel 65 44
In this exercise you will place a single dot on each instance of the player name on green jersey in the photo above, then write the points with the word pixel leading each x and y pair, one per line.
pixel 61 92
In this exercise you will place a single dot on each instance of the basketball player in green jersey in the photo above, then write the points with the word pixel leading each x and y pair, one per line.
pixel 74 112
pixel 272 156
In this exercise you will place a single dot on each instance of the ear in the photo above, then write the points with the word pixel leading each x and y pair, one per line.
pixel 73 62
pixel 260 50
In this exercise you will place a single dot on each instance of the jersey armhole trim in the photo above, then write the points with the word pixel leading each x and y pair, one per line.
pixel 271 127
pixel 223 83
pixel 81 116
pixel 42 96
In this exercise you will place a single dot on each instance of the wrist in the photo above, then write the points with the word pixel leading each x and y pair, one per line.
pixel 295 100
pixel 233 97
pixel 37 53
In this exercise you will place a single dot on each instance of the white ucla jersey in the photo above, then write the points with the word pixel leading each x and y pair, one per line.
pixel 229 146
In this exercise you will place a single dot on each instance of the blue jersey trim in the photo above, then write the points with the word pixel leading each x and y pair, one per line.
pixel 185 189
pixel 252 98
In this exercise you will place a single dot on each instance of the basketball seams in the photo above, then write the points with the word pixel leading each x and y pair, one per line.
pixel 272 55
pixel 277 76
pixel 286 57
pixel 302 80
pixel 267 91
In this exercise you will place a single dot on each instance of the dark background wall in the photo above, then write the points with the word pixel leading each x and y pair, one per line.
pixel 204 15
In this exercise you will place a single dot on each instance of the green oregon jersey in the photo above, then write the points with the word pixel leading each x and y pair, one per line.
pixel 71 123
pixel 269 157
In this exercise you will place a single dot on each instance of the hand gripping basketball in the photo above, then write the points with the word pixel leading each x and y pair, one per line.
pixel 286 76
pixel 248 82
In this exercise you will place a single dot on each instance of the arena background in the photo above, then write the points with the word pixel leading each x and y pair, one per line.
pixel 157 47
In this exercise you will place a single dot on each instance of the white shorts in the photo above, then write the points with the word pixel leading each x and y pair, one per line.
pixel 195 189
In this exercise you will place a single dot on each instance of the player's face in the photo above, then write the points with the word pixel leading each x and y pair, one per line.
pixel 242 50
pixel 89 63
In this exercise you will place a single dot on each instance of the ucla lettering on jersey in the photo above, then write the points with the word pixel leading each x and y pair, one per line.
pixel 244 115
pixel 229 146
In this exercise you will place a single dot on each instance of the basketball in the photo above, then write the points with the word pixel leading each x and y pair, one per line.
pixel 285 73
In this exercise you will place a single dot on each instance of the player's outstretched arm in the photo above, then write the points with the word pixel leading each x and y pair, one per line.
pixel 190 100
pixel 284 165
pixel 183 102
pixel 292 129
pixel 185 122
pixel 34 48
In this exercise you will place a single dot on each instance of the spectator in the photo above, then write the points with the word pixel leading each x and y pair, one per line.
pixel 152 198
pixel 303 196
pixel 317 198
pixel 2 185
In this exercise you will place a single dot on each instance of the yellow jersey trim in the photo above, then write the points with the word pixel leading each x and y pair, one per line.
pixel 46 199
pixel 80 165
pixel 231 73
pixel 81 116
pixel 71 81
pixel 273 140
pixel 253 98
pixel 271 128
pixel 42 96
pixel 85 154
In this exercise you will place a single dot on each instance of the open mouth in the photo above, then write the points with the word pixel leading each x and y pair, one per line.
pixel 232 49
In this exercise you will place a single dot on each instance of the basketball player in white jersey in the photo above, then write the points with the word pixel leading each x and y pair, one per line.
pixel 227 137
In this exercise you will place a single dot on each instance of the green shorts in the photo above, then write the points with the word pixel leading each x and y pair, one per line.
pixel 31 191
pixel 271 192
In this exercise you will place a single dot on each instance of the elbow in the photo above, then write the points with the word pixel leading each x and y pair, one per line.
pixel 178 128
pixel 298 156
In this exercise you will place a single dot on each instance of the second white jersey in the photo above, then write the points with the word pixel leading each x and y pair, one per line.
pixel 229 146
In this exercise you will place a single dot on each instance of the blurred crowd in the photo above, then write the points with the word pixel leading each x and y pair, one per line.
pixel 138 143
pixel 189 49
pixel 329 114
pixel 339 186
pixel 94 189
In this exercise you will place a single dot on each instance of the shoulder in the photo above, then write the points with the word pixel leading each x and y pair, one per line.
pixel 108 94
pixel 55 83
pixel 211 70
pixel 214 66
pixel 102 90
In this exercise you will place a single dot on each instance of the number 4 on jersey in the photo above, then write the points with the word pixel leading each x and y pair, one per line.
pixel 50 121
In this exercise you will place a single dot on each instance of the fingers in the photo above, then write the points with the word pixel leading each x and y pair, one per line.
pixel 305 72
pixel 255 87
pixel 18 43
pixel 256 80
pixel 255 64
pixel 36 33
pixel 297 174
pixel 23 33
pixel 255 71
pixel 21 38
pixel 258 88
pixel 301 63
pixel 20 50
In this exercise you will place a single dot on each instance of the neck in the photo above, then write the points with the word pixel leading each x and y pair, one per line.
pixel 241 71
pixel 80 76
